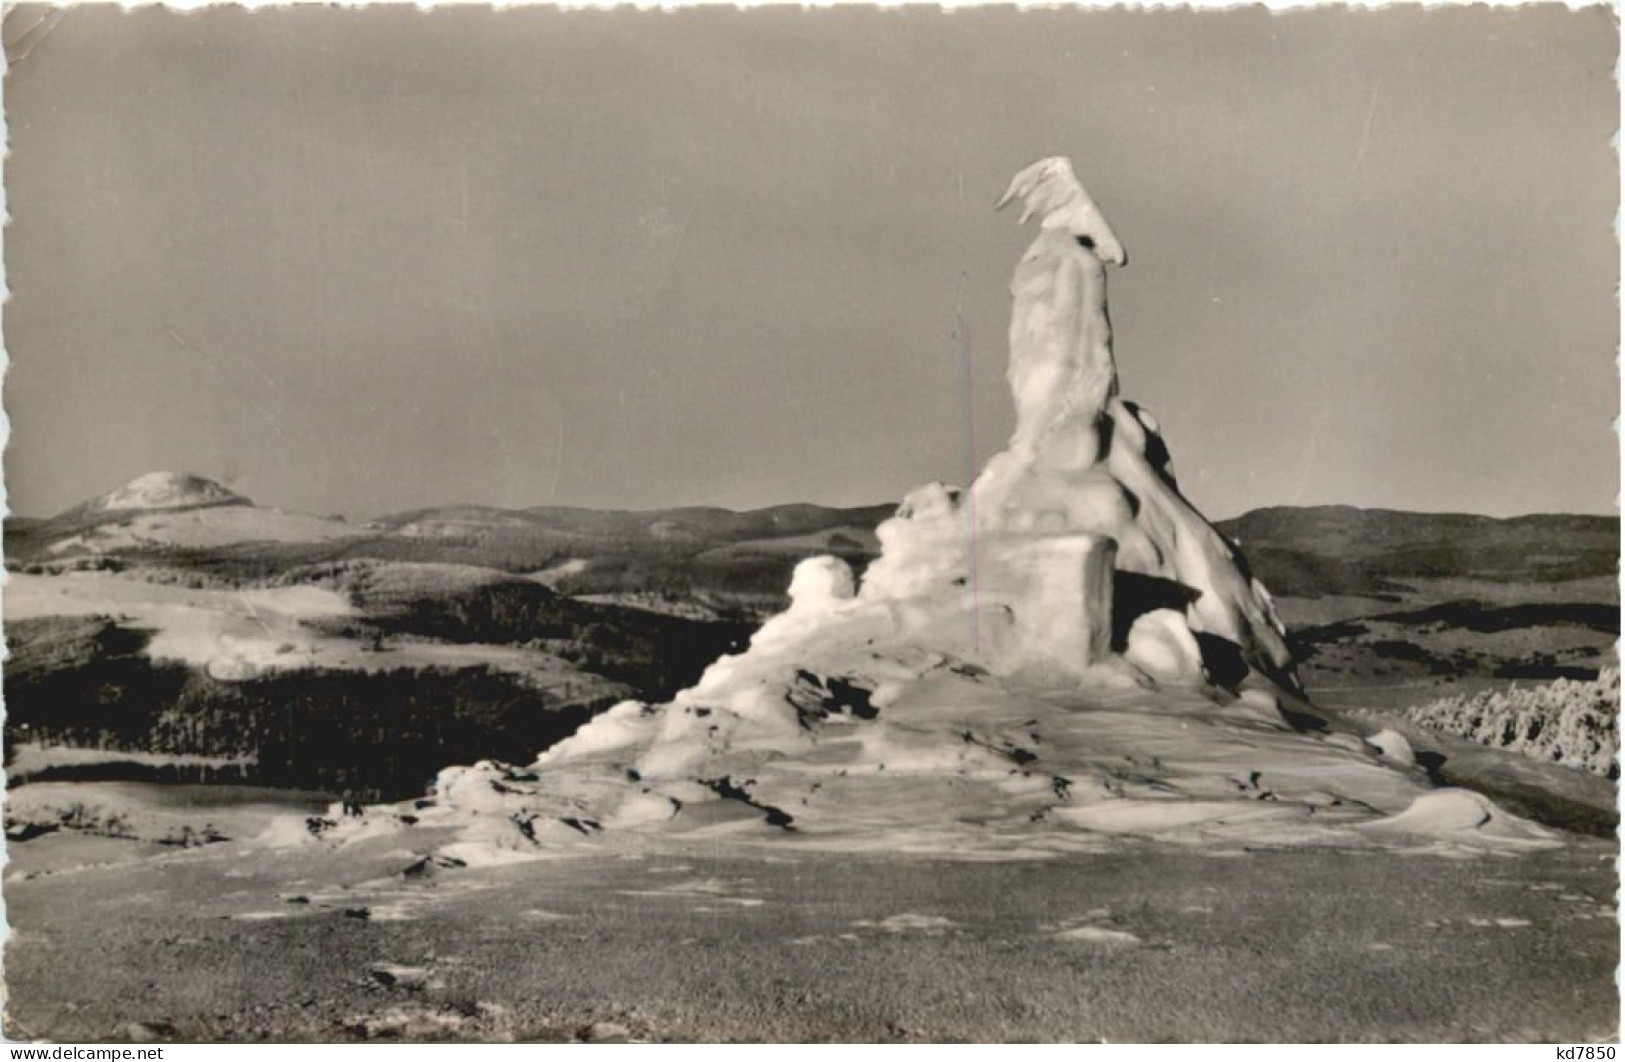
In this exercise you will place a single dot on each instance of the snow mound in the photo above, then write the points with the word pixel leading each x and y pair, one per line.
pixel 1460 816
pixel 165 490
pixel 1393 745
pixel 829 735
pixel 1063 656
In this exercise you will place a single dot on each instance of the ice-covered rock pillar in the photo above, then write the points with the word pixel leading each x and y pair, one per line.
pixel 1063 375
pixel 1084 471
pixel 1061 368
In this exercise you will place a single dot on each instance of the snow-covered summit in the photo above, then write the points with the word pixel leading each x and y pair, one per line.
pixel 164 490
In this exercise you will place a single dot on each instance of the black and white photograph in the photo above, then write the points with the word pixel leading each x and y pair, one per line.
pixel 836 525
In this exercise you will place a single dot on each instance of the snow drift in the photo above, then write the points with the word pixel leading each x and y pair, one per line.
pixel 1061 655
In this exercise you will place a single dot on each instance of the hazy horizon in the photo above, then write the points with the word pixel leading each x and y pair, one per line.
pixel 371 261
pixel 1217 517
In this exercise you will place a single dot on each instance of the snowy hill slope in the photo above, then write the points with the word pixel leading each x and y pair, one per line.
pixel 212 527
pixel 165 490
pixel 163 511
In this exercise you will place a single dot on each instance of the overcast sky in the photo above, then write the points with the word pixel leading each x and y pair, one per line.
pixel 360 261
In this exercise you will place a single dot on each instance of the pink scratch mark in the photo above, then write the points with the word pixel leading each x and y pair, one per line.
pixel 970 480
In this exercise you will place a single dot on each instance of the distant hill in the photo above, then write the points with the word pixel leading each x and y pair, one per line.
pixel 1341 549
pixel 1308 552
pixel 211 536
pixel 1396 608
pixel 155 490
pixel 160 513
pixel 695 523
pixel 1384 607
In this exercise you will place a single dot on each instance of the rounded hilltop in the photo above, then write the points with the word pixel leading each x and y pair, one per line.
pixel 164 490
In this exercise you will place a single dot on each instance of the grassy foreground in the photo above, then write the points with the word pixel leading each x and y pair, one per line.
pixel 1151 943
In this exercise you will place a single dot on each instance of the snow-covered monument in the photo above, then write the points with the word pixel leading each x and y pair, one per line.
pixel 1062 653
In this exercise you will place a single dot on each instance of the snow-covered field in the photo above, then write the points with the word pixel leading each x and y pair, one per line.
pixel 236 634
pixel 27 758
pixel 205 529
pixel 228 633
pixel 562 570
pixel 704 941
